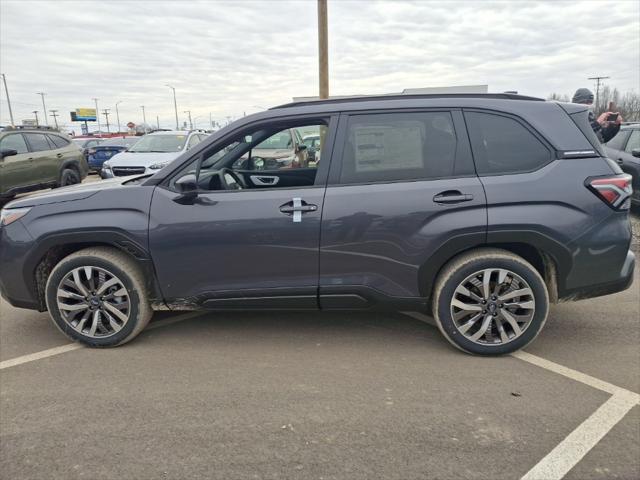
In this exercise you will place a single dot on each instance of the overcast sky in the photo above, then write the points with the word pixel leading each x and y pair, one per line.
pixel 233 57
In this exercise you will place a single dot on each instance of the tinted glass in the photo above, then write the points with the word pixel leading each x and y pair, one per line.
pixel 59 142
pixel 38 142
pixel 279 141
pixel 399 146
pixel 503 145
pixel 14 142
pixel 634 141
pixel 617 142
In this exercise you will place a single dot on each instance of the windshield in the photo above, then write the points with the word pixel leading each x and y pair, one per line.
pixel 160 143
pixel 280 140
pixel 120 142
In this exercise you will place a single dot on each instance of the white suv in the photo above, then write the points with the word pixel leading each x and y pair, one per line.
pixel 151 153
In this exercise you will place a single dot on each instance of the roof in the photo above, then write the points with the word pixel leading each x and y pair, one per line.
pixel 369 98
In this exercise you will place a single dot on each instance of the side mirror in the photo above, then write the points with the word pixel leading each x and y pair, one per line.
pixel 301 148
pixel 636 152
pixel 187 184
pixel 8 152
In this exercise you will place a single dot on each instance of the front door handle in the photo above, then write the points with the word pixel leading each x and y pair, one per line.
pixel 297 207
pixel 452 196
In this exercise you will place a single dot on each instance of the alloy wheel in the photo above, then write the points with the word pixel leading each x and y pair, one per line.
pixel 492 306
pixel 93 301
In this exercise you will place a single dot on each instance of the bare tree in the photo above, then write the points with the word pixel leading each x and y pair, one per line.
pixel 558 97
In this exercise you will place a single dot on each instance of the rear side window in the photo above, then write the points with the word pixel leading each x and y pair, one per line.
pixel 59 142
pixel 634 141
pixel 617 142
pixel 14 142
pixel 503 145
pixel 38 142
pixel 399 146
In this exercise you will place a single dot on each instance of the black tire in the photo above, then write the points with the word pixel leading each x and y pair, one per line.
pixel 126 270
pixel 464 267
pixel 69 176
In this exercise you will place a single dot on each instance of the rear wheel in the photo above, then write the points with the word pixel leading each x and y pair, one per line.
pixel 490 302
pixel 97 296
pixel 69 176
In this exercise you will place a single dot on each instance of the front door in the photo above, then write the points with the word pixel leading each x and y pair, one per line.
pixel 253 247
pixel 15 170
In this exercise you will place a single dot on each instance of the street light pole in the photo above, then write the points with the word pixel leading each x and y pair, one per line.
pixel 118 115
pixel 6 91
pixel 98 117
pixel 54 114
pixel 323 49
pixel 44 108
pixel 175 105
pixel 190 122
pixel 35 112
pixel 144 118
pixel 105 112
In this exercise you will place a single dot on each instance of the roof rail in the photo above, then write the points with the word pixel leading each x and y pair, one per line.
pixel 368 98
pixel 31 127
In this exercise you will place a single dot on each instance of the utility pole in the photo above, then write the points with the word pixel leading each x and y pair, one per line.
pixel 105 112
pixel 144 118
pixel 35 112
pixel 158 121
pixel 44 108
pixel 54 114
pixel 597 79
pixel 98 117
pixel 6 91
pixel 190 122
pixel 210 121
pixel 118 115
pixel 323 49
pixel 175 106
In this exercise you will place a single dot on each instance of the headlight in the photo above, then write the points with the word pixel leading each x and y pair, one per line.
pixel 10 215
pixel 158 166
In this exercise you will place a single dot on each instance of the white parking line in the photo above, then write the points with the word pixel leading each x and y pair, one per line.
pixel 566 455
pixel 32 357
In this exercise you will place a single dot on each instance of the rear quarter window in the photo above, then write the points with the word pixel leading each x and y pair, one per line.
pixel 503 145
pixel 59 142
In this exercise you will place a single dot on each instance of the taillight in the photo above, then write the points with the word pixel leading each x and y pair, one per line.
pixel 615 191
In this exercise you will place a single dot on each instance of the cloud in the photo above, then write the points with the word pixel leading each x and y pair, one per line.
pixel 230 57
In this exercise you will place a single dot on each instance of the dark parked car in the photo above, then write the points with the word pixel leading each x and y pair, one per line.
pixel 110 147
pixel 481 209
pixel 85 144
pixel 624 148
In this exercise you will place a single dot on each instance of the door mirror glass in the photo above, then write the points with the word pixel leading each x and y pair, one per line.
pixel 301 147
pixel 8 152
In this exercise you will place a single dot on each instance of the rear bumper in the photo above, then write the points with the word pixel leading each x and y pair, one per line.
pixel 622 282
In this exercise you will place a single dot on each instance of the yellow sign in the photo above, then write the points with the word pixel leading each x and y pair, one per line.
pixel 86 112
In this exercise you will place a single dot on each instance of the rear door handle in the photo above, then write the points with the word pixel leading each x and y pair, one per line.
pixel 59 155
pixel 452 196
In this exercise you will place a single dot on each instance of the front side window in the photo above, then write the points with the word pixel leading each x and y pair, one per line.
pixel 634 141
pixel 399 146
pixel 503 145
pixel 160 144
pixel 38 142
pixel 14 142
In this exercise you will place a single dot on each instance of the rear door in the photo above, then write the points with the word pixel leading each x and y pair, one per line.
pixel 402 193
pixel 15 169
pixel 46 161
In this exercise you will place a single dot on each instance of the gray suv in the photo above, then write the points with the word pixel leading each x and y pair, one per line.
pixel 479 209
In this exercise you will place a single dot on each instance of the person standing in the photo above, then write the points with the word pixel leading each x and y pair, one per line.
pixel 607 125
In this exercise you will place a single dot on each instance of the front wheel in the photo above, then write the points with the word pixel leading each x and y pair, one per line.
pixel 96 296
pixel 490 302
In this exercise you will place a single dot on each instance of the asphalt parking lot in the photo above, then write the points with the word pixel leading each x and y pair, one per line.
pixel 324 396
